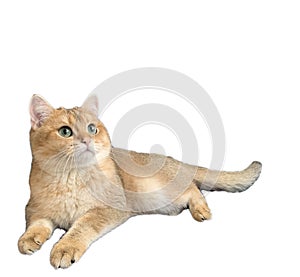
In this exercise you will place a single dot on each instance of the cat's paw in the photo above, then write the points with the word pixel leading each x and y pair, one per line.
pixel 201 212
pixel 30 243
pixel 32 240
pixel 65 253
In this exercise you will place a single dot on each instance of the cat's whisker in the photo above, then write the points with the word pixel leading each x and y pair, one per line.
pixel 78 170
pixel 61 160
pixel 52 161
pixel 57 158
pixel 58 155
pixel 66 165
pixel 76 165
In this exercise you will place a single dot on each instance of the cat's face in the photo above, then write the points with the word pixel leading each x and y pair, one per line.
pixel 63 139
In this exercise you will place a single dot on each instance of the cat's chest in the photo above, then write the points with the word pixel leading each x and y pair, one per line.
pixel 65 199
pixel 69 202
pixel 75 199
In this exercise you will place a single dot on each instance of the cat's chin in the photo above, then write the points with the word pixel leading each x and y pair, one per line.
pixel 86 158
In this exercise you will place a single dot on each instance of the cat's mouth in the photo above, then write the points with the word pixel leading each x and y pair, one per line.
pixel 88 150
pixel 85 157
pixel 85 151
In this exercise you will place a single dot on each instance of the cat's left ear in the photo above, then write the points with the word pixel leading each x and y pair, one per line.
pixel 91 104
pixel 40 110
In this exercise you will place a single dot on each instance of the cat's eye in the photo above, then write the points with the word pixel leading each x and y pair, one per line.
pixel 65 132
pixel 92 129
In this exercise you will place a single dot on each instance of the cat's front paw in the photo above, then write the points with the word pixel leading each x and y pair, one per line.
pixel 32 240
pixel 66 252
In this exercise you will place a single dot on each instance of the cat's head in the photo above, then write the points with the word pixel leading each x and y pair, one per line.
pixel 63 139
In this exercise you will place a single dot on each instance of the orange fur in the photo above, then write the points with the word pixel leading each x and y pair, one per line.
pixel 82 184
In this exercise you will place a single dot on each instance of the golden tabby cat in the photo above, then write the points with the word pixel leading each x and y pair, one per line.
pixel 82 184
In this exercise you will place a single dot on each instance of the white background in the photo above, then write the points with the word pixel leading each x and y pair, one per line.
pixel 245 54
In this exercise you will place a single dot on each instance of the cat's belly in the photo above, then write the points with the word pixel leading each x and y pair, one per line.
pixel 155 202
pixel 152 195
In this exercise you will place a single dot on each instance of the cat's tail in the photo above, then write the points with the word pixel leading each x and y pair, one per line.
pixel 230 181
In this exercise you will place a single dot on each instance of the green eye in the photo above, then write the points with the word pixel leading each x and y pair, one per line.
pixel 92 129
pixel 65 131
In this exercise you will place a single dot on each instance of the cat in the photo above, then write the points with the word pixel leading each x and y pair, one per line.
pixel 80 183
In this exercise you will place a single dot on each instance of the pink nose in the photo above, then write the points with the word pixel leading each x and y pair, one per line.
pixel 86 140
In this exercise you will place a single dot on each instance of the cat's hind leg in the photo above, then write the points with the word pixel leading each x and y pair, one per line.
pixel 197 204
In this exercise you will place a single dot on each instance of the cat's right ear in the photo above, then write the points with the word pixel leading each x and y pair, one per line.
pixel 40 110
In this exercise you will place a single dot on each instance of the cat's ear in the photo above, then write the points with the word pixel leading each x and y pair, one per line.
pixel 91 104
pixel 40 110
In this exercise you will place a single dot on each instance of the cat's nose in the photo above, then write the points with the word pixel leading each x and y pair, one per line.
pixel 86 140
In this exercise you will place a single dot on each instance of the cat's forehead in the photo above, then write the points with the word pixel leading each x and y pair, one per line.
pixel 74 116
